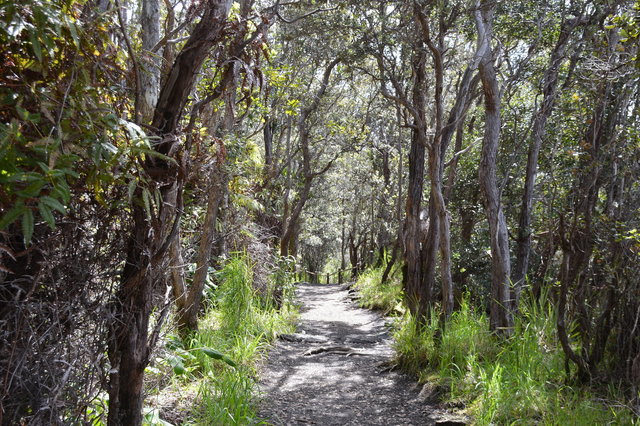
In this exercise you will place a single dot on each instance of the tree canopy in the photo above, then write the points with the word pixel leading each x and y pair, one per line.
pixel 487 149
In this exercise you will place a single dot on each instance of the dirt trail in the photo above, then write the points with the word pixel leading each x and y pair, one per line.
pixel 334 370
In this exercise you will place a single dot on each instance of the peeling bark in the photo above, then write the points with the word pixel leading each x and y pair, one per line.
pixel 150 62
pixel 500 311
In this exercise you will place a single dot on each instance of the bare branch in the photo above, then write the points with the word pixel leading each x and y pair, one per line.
pixel 306 15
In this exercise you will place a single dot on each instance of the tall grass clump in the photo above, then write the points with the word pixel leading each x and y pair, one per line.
pixel 232 337
pixel 236 307
pixel 519 380
pixel 373 294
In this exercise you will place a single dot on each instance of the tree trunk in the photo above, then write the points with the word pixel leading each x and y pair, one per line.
pixel 267 133
pixel 392 261
pixel 353 255
pixel 417 291
pixel 150 62
pixel 444 236
pixel 550 85
pixel 291 222
pixel 579 241
pixel 181 78
pixel 500 314
pixel 439 238
pixel 398 208
pixel 343 245
pixel 178 282
pixel 169 49
pixel 188 315
pixel 289 234
pixel 439 222
pixel 129 348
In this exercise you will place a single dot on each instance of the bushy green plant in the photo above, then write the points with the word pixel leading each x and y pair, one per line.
pixel 225 400
pixel 218 363
pixel 414 344
pixel 466 337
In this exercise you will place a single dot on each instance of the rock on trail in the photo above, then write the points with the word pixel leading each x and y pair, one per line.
pixel 334 370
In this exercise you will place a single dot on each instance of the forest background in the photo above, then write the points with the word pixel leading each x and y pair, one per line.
pixel 481 155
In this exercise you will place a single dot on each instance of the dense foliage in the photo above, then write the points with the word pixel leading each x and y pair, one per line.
pixel 480 156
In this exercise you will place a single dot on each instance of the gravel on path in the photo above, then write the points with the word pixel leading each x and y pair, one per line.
pixel 335 370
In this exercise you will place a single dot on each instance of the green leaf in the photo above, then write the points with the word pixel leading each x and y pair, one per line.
pixel 146 202
pixel 624 35
pixel 23 113
pixel 212 353
pixel 177 365
pixel 54 204
pixel 148 151
pixel 74 33
pixel 35 43
pixel 70 172
pixel 46 214
pixel 62 190
pixel 152 418
pixel 179 368
pixel 27 226
pixel 12 215
pixel 131 188
pixel 33 189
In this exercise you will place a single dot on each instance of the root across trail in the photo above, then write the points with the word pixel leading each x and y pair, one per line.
pixel 335 370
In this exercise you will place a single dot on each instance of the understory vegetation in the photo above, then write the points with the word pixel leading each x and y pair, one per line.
pixel 521 380
pixel 209 377
pixel 489 151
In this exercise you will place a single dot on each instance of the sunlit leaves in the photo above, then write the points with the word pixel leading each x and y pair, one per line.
pixel 628 24
pixel 292 107
pixel 57 113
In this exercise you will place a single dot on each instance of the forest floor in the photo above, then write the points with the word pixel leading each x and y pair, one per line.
pixel 337 370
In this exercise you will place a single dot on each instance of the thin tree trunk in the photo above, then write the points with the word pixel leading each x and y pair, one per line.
pixel 579 241
pixel 188 316
pixel 500 315
pixel 129 349
pixel 398 211
pixel 268 144
pixel 291 222
pixel 290 226
pixel 550 86
pixel 150 63
pixel 439 227
pixel 169 49
pixel 284 245
pixel 343 244
pixel 178 282
pixel 438 218
pixel 417 292
pixel 453 167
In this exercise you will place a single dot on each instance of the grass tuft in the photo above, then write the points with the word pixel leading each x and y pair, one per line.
pixel 220 360
pixel 517 381
pixel 241 327
pixel 520 380
pixel 383 297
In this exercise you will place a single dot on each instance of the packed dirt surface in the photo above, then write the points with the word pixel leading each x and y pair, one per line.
pixel 336 370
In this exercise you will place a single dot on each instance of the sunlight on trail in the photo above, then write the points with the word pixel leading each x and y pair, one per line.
pixel 333 371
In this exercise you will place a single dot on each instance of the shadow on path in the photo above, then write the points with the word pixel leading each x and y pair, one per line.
pixel 332 371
